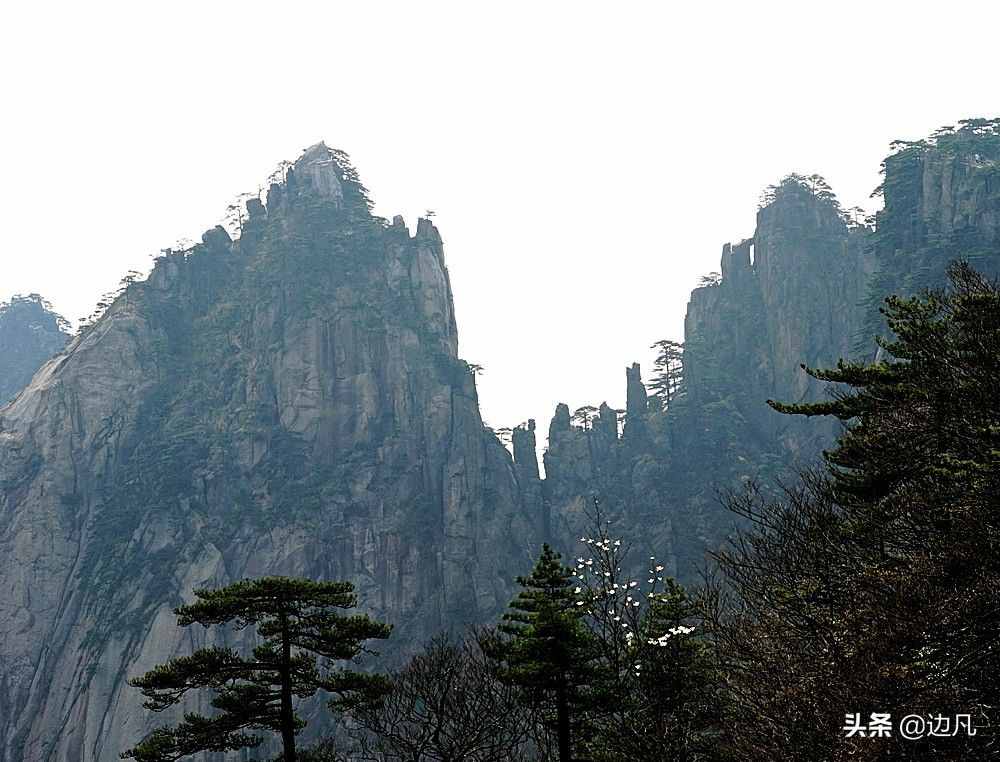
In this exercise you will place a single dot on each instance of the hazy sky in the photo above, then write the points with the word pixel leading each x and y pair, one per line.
pixel 586 161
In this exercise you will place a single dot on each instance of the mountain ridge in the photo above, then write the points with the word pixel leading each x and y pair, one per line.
pixel 289 402
pixel 292 401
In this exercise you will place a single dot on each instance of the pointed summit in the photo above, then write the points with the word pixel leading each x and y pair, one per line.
pixel 321 173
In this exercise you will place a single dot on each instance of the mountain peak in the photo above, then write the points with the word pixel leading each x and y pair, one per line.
pixel 322 173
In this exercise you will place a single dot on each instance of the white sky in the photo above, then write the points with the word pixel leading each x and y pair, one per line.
pixel 586 161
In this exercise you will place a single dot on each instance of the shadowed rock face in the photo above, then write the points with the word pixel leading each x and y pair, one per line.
pixel 804 289
pixel 745 337
pixel 30 333
pixel 288 403
pixel 942 202
pixel 798 302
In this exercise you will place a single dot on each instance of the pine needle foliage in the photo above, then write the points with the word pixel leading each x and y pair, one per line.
pixel 549 651
pixel 301 629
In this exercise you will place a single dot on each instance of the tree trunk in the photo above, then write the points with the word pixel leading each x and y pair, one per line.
pixel 287 715
pixel 562 722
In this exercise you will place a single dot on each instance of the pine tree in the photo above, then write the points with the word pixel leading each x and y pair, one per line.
pixel 298 624
pixel 872 587
pixel 668 371
pixel 549 651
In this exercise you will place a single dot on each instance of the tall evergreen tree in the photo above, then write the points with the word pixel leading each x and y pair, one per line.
pixel 299 623
pixel 549 652
pixel 668 371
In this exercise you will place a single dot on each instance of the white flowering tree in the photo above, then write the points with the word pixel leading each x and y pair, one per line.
pixel 660 685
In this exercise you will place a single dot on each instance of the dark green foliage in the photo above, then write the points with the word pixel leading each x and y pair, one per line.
pixel 674 707
pixel 298 624
pixel 813 185
pixel 872 587
pixel 549 652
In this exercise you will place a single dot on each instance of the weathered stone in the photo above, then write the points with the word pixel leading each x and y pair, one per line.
pixel 289 403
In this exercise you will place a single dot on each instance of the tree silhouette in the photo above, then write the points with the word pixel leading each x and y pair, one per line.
pixel 668 371
pixel 299 624
pixel 549 652
pixel 583 416
pixel 448 703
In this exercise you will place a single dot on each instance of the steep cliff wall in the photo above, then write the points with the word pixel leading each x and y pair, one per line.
pixel 797 302
pixel 293 402
pixel 289 403
pixel 942 202
pixel 805 288
pixel 788 295
pixel 30 333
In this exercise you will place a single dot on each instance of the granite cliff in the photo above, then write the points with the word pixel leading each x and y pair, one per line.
pixel 787 295
pixel 291 402
pixel 804 288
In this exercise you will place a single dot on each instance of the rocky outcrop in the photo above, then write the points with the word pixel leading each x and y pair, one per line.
pixel 291 402
pixel 30 333
pixel 805 288
pixel 942 202
pixel 786 296
pixel 789 295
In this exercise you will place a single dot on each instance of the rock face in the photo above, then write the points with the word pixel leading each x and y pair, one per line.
pixel 805 288
pixel 30 333
pixel 288 403
pixel 293 402
pixel 785 296
pixel 796 302
pixel 942 201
